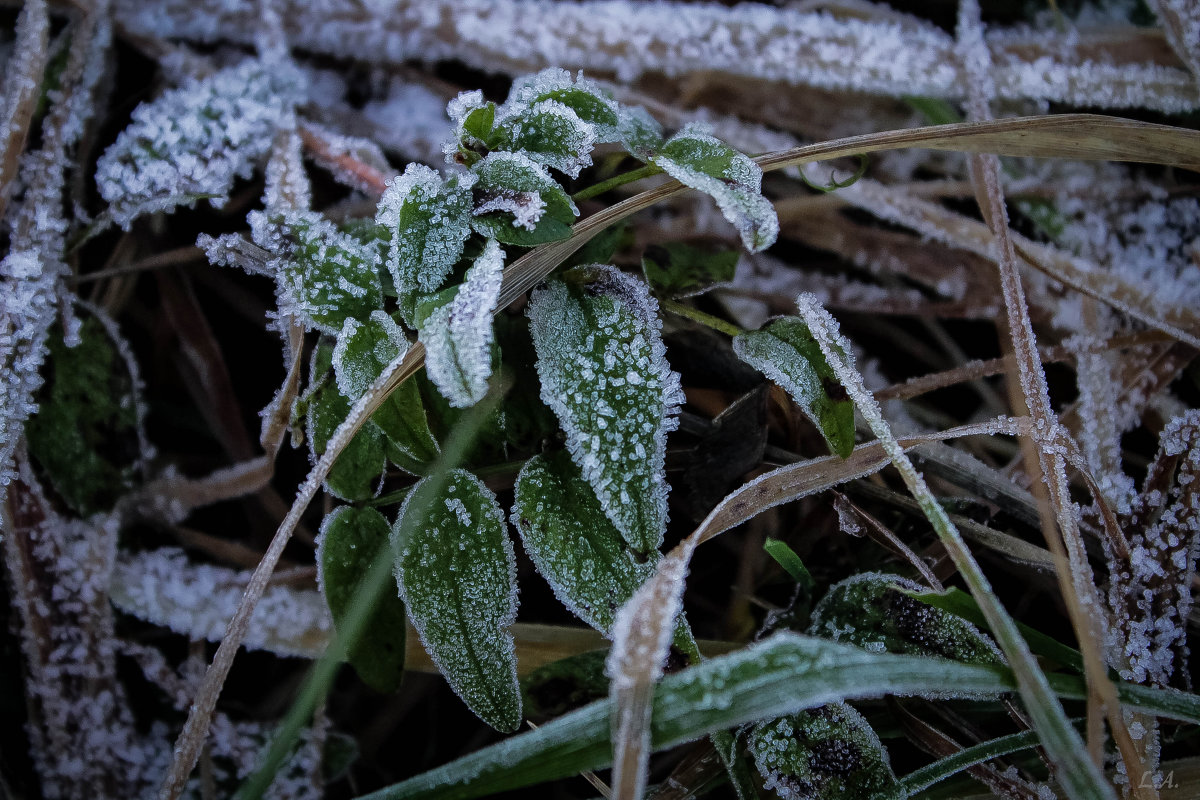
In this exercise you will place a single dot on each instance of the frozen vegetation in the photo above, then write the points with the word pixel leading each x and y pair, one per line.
pixel 854 286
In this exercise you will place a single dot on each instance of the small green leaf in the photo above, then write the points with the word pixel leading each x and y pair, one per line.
pixel 325 276
pixel 458 335
pixel 351 539
pixel 823 753
pixel 517 202
pixel 564 685
pixel 84 434
pixel 586 98
pixel 479 122
pixel 640 133
pixel 429 220
pixel 572 543
pixel 355 474
pixel 876 611
pixel 786 557
pixel 705 163
pixel 675 269
pixel 363 350
pixel 786 352
pixel 548 132
pixel 605 375
pixel 457 572
pixel 473 118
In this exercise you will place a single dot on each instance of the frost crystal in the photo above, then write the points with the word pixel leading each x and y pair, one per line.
pixel 458 336
pixel 196 140
pixel 429 224
pixel 604 373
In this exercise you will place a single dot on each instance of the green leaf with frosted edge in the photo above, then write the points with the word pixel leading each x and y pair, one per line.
pixel 876 611
pixel 84 434
pixel 458 334
pixel 586 98
pixel 457 572
pixel 355 474
pixel 780 675
pixel 363 350
pixel 325 276
pixel 429 220
pixel 786 352
pixel 479 123
pixel 675 269
pixel 351 539
pixel 517 202
pixel 823 753
pixel 705 163
pixel 564 685
pixel 604 373
pixel 640 134
pixel 574 546
pixel 550 133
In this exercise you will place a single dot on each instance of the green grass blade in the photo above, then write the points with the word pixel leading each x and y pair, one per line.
pixel 778 676
pixel 943 768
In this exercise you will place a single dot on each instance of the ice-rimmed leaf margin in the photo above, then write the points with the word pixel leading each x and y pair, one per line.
pixel 517 202
pixel 786 352
pixel 781 675
pixel 456 570
pixel 604 373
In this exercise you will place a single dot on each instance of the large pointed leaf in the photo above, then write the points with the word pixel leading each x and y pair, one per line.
pixel 786 352
pixel 351 539
pixel 823 753
pixel 517 202
pixel 876 611
pixel 363 350
pixel 429 220
pixel 572 543
pixel 458 335
pixel 605 375
pixel 355 474
pixel 325 276
pixel 696 159
pixel 457 572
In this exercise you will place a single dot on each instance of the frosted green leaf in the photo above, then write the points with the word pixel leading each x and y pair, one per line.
pixel 84 434
pixel 356 473
pixel 458 335
pixel 473 119
pixel 821 754
pixel 517 202
pixel 324 275
pixel 604 373
pixel 363 350
pixel 705 163
pixel 572 543
pixel 586 98
pixel 786 352
pixel 196 140
pixel 675 269
pixel 640 134
pixel 873 611
pixel 457 572
pixel 429 221
pixel 548 132
pixel 350 540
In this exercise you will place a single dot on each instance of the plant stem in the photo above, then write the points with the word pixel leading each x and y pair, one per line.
pixel 707 320
pixel 615 181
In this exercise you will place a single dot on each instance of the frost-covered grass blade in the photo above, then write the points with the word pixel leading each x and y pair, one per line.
pixel 457 572
pixel 605 376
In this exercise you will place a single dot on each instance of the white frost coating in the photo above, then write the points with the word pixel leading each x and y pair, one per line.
pixel 528 89
pixel 197 600
pixel 428 221
pixel 355 375
pixel 458 336
pixel 737 189
pixel 196 139
pixel 526 207
pixel 550 133
pixel 615 429
pixel 750 40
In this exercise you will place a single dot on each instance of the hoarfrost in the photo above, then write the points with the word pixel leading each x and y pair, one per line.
pixel 458 336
